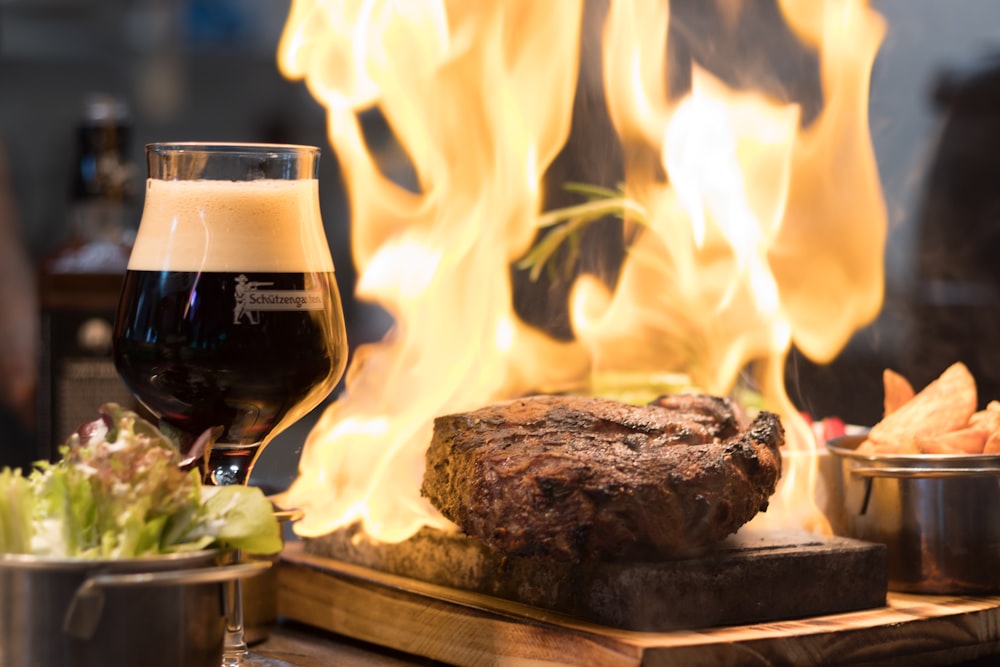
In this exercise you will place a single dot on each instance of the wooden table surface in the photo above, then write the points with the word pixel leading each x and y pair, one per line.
pixel 345 615
pixel 299 645
pixel 304 646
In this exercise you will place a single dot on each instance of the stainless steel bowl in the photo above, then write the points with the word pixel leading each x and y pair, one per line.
pixel 936 513
pixel 162 611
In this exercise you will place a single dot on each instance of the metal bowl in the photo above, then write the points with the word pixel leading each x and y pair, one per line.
pixel 162 611
pixel 936 513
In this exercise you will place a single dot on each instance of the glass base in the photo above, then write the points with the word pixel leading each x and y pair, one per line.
pixel 253 660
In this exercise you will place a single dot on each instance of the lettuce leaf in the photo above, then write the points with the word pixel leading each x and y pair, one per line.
pixel 120 491
pixel 16 506
pixel 241 517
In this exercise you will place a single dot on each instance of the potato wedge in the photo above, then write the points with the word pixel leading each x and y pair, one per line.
pixel 992 445
pixel 963 441
pixel 944 405
pixel 987 418
pixel 898 391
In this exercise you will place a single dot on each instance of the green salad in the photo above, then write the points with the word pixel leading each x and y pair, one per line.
pixel 120 491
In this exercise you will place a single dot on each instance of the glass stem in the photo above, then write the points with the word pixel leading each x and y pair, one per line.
pixel 234 650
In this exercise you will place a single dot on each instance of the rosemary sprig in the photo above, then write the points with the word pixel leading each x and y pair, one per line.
pixel 568 223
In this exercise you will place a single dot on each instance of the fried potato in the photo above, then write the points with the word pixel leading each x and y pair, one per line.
pixel 988 418
pixel 964 441
pixel 944 405
pixel 898 391
pixel 867 447
pixel 992 445
pixel 940 419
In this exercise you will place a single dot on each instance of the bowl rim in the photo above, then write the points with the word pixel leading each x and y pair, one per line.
pixel 844 446
pixel 155 562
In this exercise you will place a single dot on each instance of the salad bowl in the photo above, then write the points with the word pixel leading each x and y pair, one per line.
pixel 156 611
pixel 116 554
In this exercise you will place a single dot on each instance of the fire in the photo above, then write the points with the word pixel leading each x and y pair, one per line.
pixel 755 231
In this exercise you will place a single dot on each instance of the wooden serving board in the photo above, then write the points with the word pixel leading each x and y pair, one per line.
pixel 465 628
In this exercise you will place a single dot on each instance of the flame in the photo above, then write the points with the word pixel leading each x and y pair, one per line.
pixel 766 233
pixel 755 231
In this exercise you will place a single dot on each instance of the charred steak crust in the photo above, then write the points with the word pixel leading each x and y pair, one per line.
pixel 581 478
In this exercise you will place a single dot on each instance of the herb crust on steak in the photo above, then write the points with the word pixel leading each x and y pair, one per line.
pixel 583 478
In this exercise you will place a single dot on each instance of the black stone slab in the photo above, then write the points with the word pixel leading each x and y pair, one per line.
pixel 751 577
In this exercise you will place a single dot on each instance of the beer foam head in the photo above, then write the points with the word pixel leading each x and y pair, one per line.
pixel 228 226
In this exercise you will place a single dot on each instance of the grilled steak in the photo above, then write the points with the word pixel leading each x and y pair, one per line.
pixel 579 478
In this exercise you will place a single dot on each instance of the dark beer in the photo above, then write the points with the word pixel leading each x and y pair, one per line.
pixel 240 351
pixel 230 317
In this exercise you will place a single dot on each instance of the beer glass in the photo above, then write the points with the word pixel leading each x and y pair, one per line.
pixel 230 326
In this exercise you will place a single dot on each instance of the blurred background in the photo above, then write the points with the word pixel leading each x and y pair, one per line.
pixel 174 70
pixel 206 70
